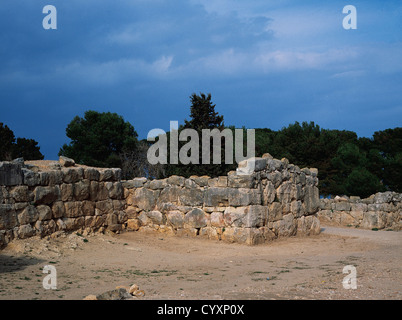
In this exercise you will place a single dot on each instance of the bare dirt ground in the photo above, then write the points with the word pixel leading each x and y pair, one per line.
pixel 167 267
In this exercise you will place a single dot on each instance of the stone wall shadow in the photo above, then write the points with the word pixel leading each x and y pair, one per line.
pixel 10 263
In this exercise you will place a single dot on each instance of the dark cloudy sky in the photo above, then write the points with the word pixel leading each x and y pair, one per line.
pixel 267 63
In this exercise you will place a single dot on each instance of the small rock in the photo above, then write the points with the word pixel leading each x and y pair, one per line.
pixel 133 288
pixel 90 297
pixel 66 162
pixel 139 293
pixel 117 294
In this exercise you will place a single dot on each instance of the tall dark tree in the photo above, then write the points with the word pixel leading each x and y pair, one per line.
pixel 99 139
pixel 202 116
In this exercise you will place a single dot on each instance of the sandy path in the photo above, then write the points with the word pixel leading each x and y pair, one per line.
pixel 184 268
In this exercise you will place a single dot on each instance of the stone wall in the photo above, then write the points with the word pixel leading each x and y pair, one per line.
pixel 58 196
pixel 380 211
pixel 264 199
pixel 276 199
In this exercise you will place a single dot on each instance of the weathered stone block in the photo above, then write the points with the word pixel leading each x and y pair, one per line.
pixel 30 178
pixel 201 181
pixel 311 199
pixel 274 164
pixel 58 209
pixel 115 190
pixel 91 174
pixel 175 218
pixel 28 215
pixel 21 194
pixel 274 212
pixel 11 174
pixel 46 195
pixel 106 174
pixel 256 216
pixel 66 162
pixel 275 177
pixel 44 212
pixel 103 207
pixel 176 180
pixel 25 231
pixel 73 209
pixel 66 192
pixel 342 206
pixel 195 218
pixel 217 219
pixel 81 190
pixel 88 208
pixel 158 184
pixel 156 217
pixel 269 193
pixel 133 224
pixel 72 175
pixel 238 197
pixel 145 199
pixel 214 197
pixel 240 181
pixel 8 217
pixel 235 216
pixel 191 197
pixel 287 226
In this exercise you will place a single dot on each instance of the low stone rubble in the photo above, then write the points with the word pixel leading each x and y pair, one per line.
pixel 382 210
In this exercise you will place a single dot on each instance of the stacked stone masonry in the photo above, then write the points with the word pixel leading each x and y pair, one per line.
pixel 264 199
pixel 274 199
pixel 37 200
pixel 379 211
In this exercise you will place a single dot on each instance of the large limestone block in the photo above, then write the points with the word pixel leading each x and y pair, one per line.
pixel 251 165
pixel 44 212
pixel 191 197
pixel 170 194
pixel 240 181
pixel 195 218
pixel 268 195
pixel 311 199
pixel 81 190
pixel 274 212
pixel 256 216
pixel 46 195
pixel 175 218
pixel 8 216
pixel 234 216
pixel 287 226
pixel 238 197
pixel 11 174
pixel 156 217
pixel 374 219
pixel 72 175
pixel 145 199
pixel 217 219
pixel 31 178
pixel 98 191
pixel 214 197
pixel 21 194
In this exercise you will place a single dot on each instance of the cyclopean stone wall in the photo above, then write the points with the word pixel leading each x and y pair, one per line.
pixel 276 199
pixel 380 211
pixel 264 199
pixel 52 196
